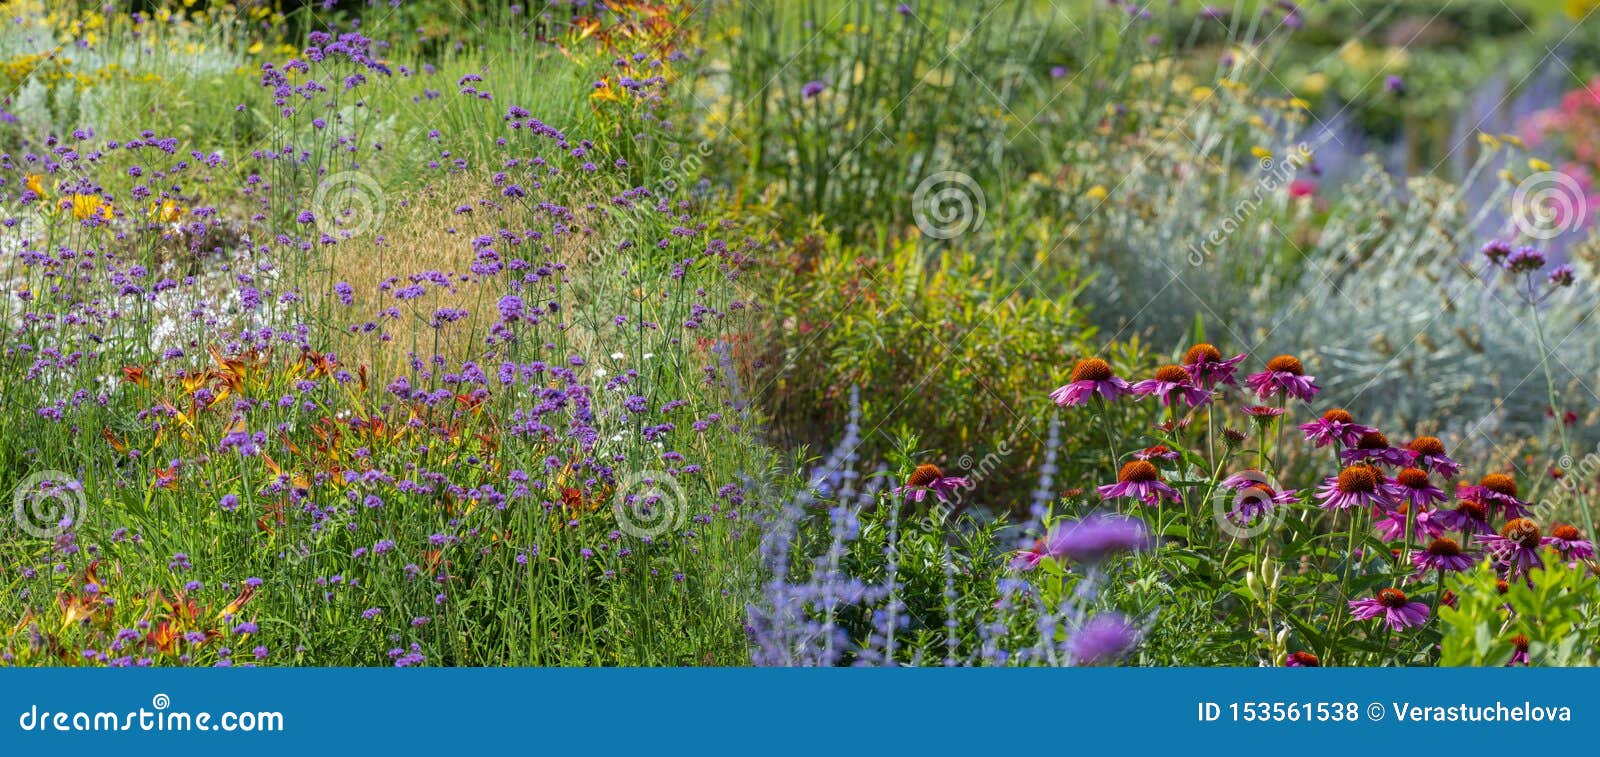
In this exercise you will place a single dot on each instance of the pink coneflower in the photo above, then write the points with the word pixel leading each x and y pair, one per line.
pixel 1029 558
pixel 1140 480
pixel 1393 606
pixel 1090 377
pixel 1412 485
pixel 1570 542
pixel 1253 497
pixel 1499 492
pixel 1171 384
pixel 1519 651
pixel 1302 660
pixel 1262 413
pixel 1516 546
pixel 1284 376
pixel 928 478
pixel 1391 523
pixel 1430 456
pixel 1442 555
pixel 1374 446
pixel 1207 368
pixel 1469 517
pixel 1335 426
pixel 1355 486
pixel 1157 452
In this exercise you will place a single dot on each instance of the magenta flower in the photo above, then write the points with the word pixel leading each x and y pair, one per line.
pixel 1335 427
pixel 1355 486
pixel 1090 377
pixel 1254 497
pixel 1517 545
pixel 1570 542
pixel 1096 538
pixel 1157 452
pixel 1139 480
pixel 1499 492
pixel 1430 456
pixel 1171 384
pixel 1301 660
pixel 1103 639
pixel 1393 606
pixel 1442 555
pixel 1469 517
pixel 1391 523
pixel 1284 376
pixel 1411 485
pixel 1374 447
pixel 928 479
pixel 1207 368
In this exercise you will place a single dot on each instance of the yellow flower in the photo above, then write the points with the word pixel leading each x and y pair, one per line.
pixel 1096 193
pixel 1314 83
pixel 255 48
pixel 1488 140
pixel 90 206
pixel 1260 152
pixel 1539 165
pixel 36 184
pixel 166 211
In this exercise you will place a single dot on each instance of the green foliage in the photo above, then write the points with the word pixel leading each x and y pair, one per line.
pixel 1553 615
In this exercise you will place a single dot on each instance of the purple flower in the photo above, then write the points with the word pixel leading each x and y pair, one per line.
pixel 1355 486
pixel 812 88
pixel 1284 376
pixel 1096 538
pixel 1207 368
pixel 1171 384
pixel 1430 456
pixel 1254 496
pixel 1442 554
pixel 1336 426
pixel 1103 639
pixel 1373 447
pixel 929 478
pixel 1525 260
pixel 1517 545
pixel 1090 377
pixel 1411 486
pixel 1499 492
pixel 1570 542
pixel 1393 606
pixel 1139 480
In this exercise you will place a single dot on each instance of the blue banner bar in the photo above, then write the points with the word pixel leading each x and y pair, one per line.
pixel 809 712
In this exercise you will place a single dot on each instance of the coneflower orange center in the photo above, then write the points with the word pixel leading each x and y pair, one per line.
pixel 1427 445
pixel 1565 532
pixel 1338 415
pixel 1202 353
pixel 1306 658
pixel 1412 478
pixel 1138 470
pixel 1373 440
pixel 1171 374
pixel 1091 369
pixel 1444 547
pixel 1500 483
pixel 1357 479
pixel 1520 641
pixel 1474 509
pixel 1522 531
pixel 1392 598
pixel 1286 364
pixel 924 475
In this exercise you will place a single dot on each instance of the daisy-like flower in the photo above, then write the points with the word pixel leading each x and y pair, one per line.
pixel 1393 606
pixel 1570 542
pixel 1516 546
pixel 1262 414
pixel 1157 452
pixel 1519 651
pixel 926 479
pixel 1335 427
pixel 1430 456
pixel 1355 486
pixel 1140 480
pixel 1301 660
pixel 1373 446
pixel 1469 517
pixel 1096 538
pixel 1028 558
pixel 1443 555
pixel 1090 377
pixel 1391 524
pixel 1499 492
pixel 1206 366
pixel 1102 639
pixel 1171 384
pixel 1411 485
pixel 1284 376
pixel 1253 497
